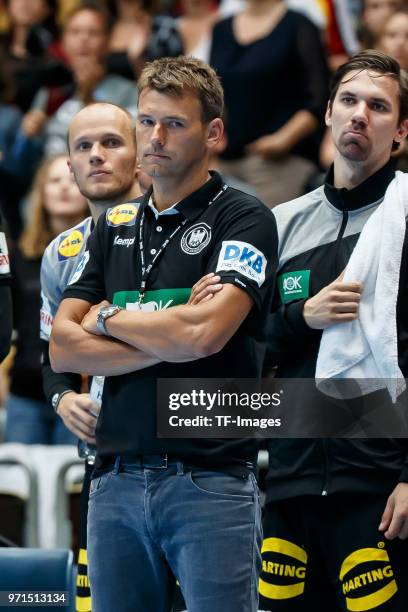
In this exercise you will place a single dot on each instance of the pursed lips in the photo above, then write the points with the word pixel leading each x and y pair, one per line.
pixel 99 173
pixel 355 133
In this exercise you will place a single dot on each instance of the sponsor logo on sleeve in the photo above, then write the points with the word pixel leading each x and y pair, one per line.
pixel 244 258
pixel 294 285
pixel 195 238
pixel 4 256
pixel 71 245
pixel 79 269
pixel 123 214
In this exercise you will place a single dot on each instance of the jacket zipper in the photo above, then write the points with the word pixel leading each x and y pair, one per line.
pixel 344 221
pixel 339 238
pixel 326 468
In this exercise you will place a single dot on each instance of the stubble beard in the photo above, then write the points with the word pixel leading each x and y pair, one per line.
pixel 353 151
pixel 108 194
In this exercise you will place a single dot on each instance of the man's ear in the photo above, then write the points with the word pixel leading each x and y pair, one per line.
pixel 328 115
pixel 70 167
pixel 215 131
pixel 402 131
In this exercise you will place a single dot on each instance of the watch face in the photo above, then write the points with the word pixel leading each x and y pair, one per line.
pixel 54 400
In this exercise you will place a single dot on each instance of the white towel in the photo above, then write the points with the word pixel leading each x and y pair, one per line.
pixel 366 349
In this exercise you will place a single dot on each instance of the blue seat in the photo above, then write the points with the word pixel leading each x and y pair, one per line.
pixel 36 569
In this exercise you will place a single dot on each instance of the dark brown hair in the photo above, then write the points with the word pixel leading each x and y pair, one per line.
pixel 176 75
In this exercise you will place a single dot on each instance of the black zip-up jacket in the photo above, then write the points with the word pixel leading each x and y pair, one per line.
pixel 317 234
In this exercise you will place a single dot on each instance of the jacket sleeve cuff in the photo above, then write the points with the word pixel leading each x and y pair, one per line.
pixel 294 315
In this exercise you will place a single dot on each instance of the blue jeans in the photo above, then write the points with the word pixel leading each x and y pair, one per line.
pixel 147 526
pixel 32 422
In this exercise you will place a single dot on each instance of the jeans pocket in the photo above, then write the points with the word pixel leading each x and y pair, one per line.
pixel 98 484
pixel 223 485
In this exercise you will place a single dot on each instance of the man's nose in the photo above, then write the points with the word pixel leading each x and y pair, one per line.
pixel 97 153
pixel 360 114
pixel 158 135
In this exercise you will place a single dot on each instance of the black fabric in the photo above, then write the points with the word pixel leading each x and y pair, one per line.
pixel 54 382
pixel 127 422
pixel 25 373
pixel 326 531
pixel 266 82
pixel 6 321
pixel 371 190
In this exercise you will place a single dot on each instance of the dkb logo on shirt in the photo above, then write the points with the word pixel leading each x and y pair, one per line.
pixel 244 258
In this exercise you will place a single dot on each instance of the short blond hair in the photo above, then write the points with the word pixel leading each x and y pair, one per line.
pixel 176 75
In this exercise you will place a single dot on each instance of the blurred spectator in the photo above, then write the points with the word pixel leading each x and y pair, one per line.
pixel 24 47
pixel 86 44
pixel 5 297
pixel 55 205
pixel 140 35
pixel 273 69
pixel 313 9
pixel 393 38
pixel 195 25
pixel 11 189
pixel 373 17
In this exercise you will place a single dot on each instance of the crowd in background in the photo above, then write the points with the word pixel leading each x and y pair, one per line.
pixel 274 58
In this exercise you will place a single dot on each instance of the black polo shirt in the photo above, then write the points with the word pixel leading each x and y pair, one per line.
pixel 222 230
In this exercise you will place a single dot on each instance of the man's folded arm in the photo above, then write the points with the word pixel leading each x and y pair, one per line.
pixel 72 349
pixel 184 332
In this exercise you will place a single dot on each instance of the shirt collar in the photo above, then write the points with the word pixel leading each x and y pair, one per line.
pixel 195 203
pixel 168 211
pixel 368 192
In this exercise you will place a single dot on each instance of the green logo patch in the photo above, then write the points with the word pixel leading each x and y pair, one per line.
pixel 158 299
pixel 294 285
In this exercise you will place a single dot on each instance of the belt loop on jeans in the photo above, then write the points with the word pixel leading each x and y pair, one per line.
pixel 116 467
pixel 180 468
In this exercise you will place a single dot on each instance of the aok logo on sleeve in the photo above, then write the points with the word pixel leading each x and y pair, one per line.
pixel 243 258
pixel 294 285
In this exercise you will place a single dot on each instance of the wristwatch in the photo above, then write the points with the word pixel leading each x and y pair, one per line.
pixel 57 397
pixel 104 313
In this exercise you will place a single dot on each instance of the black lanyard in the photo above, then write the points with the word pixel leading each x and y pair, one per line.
pixel 146 270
